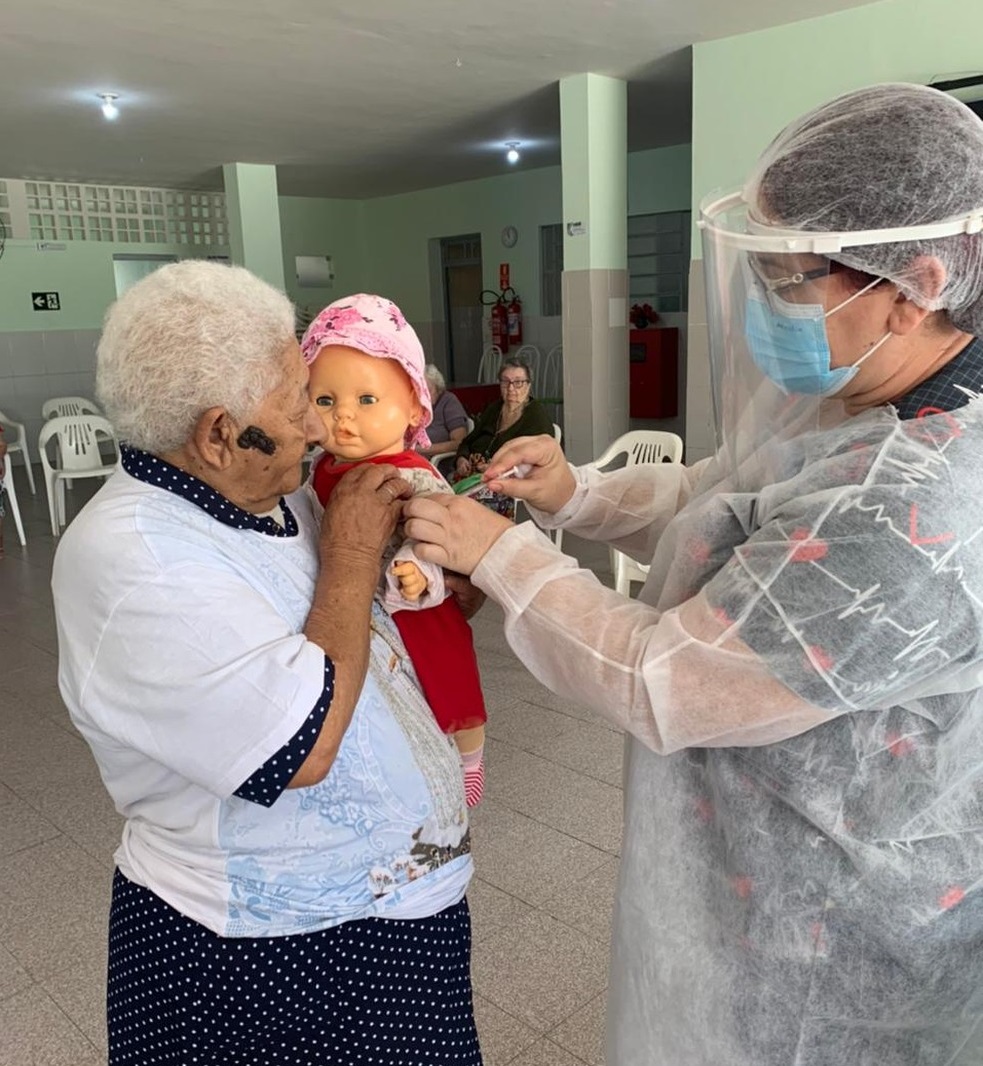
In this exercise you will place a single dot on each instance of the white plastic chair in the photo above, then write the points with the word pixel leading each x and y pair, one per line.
pixel 16 437
pixel 11 494
pixel 491 363
pixel 530 354
pixel 69 406
pixel 78 439
pixel 638 446
pixel 551 377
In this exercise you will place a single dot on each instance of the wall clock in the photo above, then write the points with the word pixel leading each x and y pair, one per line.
pixel 510 236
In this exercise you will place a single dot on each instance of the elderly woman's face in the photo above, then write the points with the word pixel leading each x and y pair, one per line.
pixel 288 419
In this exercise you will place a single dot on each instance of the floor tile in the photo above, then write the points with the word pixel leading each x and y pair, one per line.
pixel 54 907
pixel 20 825
pixel 80 993
pixel 501 1035
pixel 586 904
pixel 491 908
pixel 525 858
pixel 579 806
pixel 13 977
pixel 582 1034
pixel 539 970
pixel 34 1032
pixel 546 1053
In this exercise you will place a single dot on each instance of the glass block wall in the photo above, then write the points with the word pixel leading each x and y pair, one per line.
pixel 66 211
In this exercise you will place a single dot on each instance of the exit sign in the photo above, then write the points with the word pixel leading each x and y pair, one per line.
pixel 45 301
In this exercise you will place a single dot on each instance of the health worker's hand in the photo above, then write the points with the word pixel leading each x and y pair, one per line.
pixel 412 583
pixel 548 485
pixel 452 531
pixel 363 510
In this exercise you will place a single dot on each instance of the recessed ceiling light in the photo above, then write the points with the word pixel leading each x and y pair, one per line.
pixel 512 155
pixel 109 108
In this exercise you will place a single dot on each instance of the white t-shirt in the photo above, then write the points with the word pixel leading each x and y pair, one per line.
pixel 183 663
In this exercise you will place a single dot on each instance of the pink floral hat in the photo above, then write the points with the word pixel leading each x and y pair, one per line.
pixel 375 326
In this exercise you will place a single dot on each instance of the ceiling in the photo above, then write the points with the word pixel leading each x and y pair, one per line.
pixel 348 99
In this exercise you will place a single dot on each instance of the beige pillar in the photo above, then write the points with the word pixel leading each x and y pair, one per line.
pixel 594 144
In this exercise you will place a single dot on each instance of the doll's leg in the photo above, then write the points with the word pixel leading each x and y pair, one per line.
pixel 471 744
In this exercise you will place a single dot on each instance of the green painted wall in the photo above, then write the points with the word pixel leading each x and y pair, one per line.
pixel 82 275
pixel 323 227
pixel 398 228
pixel 377 245
pixel 659 180
pixel 736 113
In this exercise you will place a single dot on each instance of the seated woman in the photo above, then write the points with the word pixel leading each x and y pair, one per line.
pixel 296 834
pixel 516 414
pixel 450 421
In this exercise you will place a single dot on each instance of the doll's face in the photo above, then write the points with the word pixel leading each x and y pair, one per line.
pixel 366 403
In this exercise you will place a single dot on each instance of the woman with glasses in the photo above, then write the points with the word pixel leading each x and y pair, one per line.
pixel 516 414
pixel 801 678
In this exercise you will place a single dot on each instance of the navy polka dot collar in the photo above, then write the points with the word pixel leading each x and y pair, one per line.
pixel 146 467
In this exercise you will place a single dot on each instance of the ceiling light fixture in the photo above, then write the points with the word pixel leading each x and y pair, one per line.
pixel 512 155
pixel 109 108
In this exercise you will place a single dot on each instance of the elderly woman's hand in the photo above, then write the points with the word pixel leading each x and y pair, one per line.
pixel 548 485
pixel 452 531
pixel 469 598
pixel 363 510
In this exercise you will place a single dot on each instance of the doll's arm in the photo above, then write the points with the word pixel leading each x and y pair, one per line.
pixel 430 581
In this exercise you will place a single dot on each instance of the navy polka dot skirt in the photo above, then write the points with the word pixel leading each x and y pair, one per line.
pixel 376 991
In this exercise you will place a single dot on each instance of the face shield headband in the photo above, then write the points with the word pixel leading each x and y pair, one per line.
pixel 784 326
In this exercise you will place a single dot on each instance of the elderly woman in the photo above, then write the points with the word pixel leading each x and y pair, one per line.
pixel 516 414
pixel 290 883
pixel 802 681
pixel 450 421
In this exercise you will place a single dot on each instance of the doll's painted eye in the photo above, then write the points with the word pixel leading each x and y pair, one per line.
pixel 324 401
pixel 367 399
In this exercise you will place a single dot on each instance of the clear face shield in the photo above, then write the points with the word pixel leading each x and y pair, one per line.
pixel 770 293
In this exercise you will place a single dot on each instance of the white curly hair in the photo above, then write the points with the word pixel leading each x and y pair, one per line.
pixel 190 336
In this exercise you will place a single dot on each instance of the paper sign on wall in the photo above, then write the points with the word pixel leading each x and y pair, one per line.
pixel 314 271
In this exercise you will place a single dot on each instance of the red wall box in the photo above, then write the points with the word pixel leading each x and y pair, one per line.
pixel 653 374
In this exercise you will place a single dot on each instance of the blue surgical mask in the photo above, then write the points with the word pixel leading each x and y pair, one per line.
pixel 790 347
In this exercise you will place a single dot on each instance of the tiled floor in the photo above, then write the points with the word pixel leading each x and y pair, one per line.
pixel 546 842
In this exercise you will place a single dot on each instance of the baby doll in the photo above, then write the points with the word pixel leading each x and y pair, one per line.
pixel 367 382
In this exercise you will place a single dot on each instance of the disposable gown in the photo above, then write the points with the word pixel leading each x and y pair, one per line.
pixel 803 847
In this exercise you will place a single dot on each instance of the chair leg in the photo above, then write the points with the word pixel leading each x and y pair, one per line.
pixel 30 472
pixel 60 496
pixel 52 505
pixel 11 492
pixel 558 539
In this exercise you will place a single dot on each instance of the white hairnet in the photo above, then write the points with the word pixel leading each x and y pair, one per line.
pixel 884 157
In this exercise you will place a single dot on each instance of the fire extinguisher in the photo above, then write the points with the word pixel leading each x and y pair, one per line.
pixel 499 320
pixel 514 310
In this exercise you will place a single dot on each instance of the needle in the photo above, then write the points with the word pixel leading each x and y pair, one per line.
pixel 521 470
